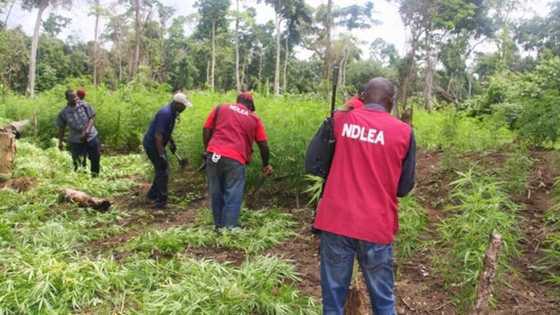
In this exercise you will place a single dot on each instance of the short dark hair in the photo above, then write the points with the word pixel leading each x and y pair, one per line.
pixel 246 99
pixel 68 93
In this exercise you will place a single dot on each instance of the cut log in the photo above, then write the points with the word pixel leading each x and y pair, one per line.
pixel 484 289
pixel 7 154
pixel 16 127
pixel 84 200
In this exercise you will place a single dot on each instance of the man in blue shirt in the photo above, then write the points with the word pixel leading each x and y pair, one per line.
pixel 159 134
pixel 79 117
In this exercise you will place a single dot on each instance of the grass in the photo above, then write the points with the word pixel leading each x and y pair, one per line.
pixel 450 130
pixel 46 266
pixel 480 207
pixel 262 286
pixel 515 171
pixel 260 230
pixel 550 263
pixel 413 222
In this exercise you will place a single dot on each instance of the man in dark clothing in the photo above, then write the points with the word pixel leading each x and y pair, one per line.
pixel 228 135
pixel 373 164
pixel 157 137
pixel 79 117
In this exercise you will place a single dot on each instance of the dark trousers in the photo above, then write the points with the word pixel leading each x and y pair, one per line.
pixel 158 191
pixel 91 150
pixel 337 261
pixel 226 183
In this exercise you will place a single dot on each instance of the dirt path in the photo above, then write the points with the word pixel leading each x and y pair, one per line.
pixel 527 292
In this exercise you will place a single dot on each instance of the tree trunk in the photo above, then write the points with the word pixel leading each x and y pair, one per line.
pixel 119 57
pixel 213 66
pixel 484 288
pixel 95 43
pixel 7 154
pixel 9 13
pixel 409 72
pixel 161 71
pixel 237 77
pixel 261 65
pixel 244 70
pixel 84 200
pixel 208 73
pixel 429 82
pixel 137 26
pixel 328 48
pixel 34 45
pixel 286 60
pixel 278 50
pixel 342 66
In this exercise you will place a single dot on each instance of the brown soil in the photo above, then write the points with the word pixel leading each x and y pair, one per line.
pixel 527 293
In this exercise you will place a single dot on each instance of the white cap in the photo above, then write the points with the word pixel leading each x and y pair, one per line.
pixel 182 98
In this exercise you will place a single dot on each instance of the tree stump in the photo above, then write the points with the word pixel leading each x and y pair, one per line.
pixel 84 200
pixel 484 288
pixel 7 154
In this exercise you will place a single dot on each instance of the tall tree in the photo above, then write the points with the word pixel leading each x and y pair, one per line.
pixel 115 31
pixel 212 21
pixel 97 11
pixel 41 6
pixel 329 16
pixel 12 4
pixel 293 12
pixel 55 23
pixel 237 18
pixel 138 36
pixel 541 33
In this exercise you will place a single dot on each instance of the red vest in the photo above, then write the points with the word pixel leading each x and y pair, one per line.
pixel 236 130
pixel 355 102
pixel 360 198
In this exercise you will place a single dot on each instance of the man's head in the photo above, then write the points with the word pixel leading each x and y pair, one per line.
pixel 361 91
pixel 71 97
pixel 246 98
pixel 81 94
pixel 181 102
pixel 380 91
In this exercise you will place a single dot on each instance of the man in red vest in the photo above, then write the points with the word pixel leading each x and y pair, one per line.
pixel 356 101
pixel 229 134
pixel 373 164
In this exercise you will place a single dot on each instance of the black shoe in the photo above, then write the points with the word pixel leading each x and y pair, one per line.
pixel 160 205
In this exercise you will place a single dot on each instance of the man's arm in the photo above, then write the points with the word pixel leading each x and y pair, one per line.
pixel 172 144
pixel 159 144
pixel 265 156
pixel 406 181
pixel 87 128
pixel 61 138
pixel 206 135
pixel 91 114
pixel 61 124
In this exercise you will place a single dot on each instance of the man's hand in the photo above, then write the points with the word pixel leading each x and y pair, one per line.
pixel 83 136
pixel 172 147
pixel 267 170
pixel 61 145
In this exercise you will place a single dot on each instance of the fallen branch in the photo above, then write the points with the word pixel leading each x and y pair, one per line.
pixel 84 200
pixel 484 288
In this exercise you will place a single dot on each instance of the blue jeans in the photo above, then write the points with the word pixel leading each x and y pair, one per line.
pixel 91 149
pixel 337 261
pixel 158 190
pixel 226 182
